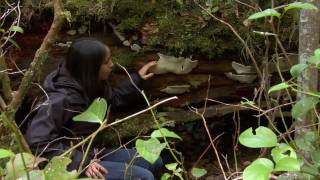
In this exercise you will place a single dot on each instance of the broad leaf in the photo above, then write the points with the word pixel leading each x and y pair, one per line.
pixel 5 153
pixel 314 60
pixel 34 175
pixel 263 137
pixel 16 29
pixel 57 167
pixel 150 150
pixel 305 145
pixel 165 176
pixel 259 169
pixel 315 156
pixel 283 151
pixel 164 132
pixel 310 136
pixel 317 52
pixel 198 172
pixel 172 166
pixel 297 69
pixel 15 167
pixel 303 106
pixel 95 113
pixel 288 164
pixel 278 87
pixel 300 5
pixel 265 13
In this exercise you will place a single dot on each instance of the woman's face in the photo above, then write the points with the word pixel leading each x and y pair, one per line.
pixel 106 66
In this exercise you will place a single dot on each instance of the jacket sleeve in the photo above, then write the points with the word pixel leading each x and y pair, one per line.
pixel 124 94
pixel 44 134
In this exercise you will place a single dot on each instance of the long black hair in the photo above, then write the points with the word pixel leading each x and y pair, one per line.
pixel 84 59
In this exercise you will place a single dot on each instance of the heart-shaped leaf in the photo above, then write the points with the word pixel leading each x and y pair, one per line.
pixel 16 168
pixel 303 106
pixel 279 87
pixel 57 167
pixel 263 137
pixel 265 13
pixel 198 172
pixel 297 69
pixel 95 113
pixel 288 164
pixel 150 150
pixel 164 132
pixel 5 153
pixel 258 169
pixel 282 151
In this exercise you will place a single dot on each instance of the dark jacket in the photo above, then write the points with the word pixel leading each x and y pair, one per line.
pixel 52 122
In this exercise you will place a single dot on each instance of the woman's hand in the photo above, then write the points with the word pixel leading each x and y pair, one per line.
pixel 143 72
pixel 95 170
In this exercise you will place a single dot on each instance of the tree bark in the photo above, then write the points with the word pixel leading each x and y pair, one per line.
pixel 8 116
pixel 308 42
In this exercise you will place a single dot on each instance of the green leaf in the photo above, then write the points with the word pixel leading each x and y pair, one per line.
pixel 16 29
pixel 150 150
pixel 303 106
pixel 279 87
pixel 12 42
pixel 198 172
pixel 57 167
pixel 164 132
pixel 314 60
pixel 95 113
pixel 2 30
pixel 305 145
pixel 310 136
pixel 265 13
pixel 283 151
pixel 297 69
pixel 259 169
pixel 172 166
pixel 15 167
pixel 288 164
pixel 300 5
pixel 317 52
pixel 34 175
pixel 5 153
pixel 264 137
pixel 315 156
pixel 165 176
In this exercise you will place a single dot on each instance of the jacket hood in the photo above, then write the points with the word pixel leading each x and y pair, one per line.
pixel 61 79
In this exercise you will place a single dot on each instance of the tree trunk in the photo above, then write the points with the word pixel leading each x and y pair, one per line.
pixel 7 118
pixel 308 42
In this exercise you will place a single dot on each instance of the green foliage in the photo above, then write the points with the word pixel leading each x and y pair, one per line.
pixel 5 153
pixel 297 69
pixel 175 172
pixel 261 168
pixel 300 5
pixel 263 137
pixel 258 169
pixel 150 149
pixel 95 113
pixel 303 106
pixel 198 172
pixel 57 168
pixel 163 132
pixel 265 13
pixel 279 87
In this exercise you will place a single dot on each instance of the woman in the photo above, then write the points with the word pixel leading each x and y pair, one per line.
pixel 71 88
